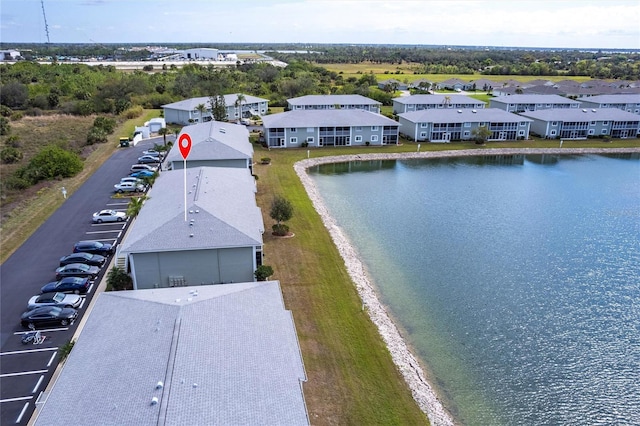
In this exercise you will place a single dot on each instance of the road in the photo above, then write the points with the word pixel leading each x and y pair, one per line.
pixel 25 370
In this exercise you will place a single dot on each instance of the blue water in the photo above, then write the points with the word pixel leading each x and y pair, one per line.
pixel 517 281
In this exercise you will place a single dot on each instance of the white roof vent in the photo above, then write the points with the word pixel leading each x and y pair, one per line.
pixel 459 111
pixel 473 111
pixel 154 400
pixel 159 385
pixel 223 130
pixel 593 110
pixel 584 110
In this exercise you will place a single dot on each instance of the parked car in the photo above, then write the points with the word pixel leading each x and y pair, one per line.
pixel 77 270
pixel 77 285
pixel 128 187
pixel 138 167
pixel 148 159
pixel 132 179
pixel 154 152
pixel 88 258
pixel 142 173
pixel 48 315
pixel 94 247
pixel 109 216
pixel 55 299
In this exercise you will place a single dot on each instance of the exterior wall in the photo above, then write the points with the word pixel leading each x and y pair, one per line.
pixel 522 107
pixel 371 108
pixel 629 107
pixel 585 129
pixel 238 163
pixel 177 116
pixel 196 267
pixel 260 108
pixel 399 108
pixel 332 136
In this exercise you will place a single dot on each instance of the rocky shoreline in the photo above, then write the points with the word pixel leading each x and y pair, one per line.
pixel 405 361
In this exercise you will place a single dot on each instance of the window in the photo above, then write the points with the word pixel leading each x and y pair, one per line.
pixel 310 129
pixel 424 125
pixel 374 128
pixel 374 138
pixel 605 123
pixel 604 131
pixel 593 123
pixel 358 138
pixel 293 130
pixel 591 131
pixel 523 123
pixel 553 133
pixel 309 140
pixel 467 124
pixel 423 134
pixel 467 134
pixel 293 140
pixel 555 123
pixel 520 132
pixel 358 128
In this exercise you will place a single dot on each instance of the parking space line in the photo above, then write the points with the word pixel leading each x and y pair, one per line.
pixel 20 398
pixel 103 232
pixel 23 373
pixel 24 409
pixel 103 224
pixel 90 288
pixel 83 300
pixel 117 204
pixel 53 356
pixel 42 330
pixel 26 351
pixel 38 384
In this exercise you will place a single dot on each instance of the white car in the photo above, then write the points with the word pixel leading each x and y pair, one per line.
pixel 132 179
pixel 109 216
pixel 55 299
pixel 128 187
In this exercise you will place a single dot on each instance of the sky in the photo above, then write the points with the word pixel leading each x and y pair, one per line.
pixel 542 23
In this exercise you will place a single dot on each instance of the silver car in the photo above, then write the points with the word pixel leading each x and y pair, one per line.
pixel 128 187
pixel 109 216
pixel 55 299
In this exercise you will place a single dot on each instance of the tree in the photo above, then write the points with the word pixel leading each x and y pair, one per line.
pixel 239 101
pixel 481 134
pixel 281 211
pixel 135 205
pixel 201 108
pixel 5 127
pixel 164 132
pixel 218 108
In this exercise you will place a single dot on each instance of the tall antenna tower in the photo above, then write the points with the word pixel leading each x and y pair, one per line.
pixel 46 26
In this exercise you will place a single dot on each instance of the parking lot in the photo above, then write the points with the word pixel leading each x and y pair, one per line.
pixel 26 369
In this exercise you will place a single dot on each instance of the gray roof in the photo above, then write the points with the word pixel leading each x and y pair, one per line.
pixel 192 103
pixel 437 99
pixel 226 355
pixel 215 140
pixel 534 99
pixel 220 202
pixel 490 115
pixel 332 100
pixel 613 99
pixel 582 114
pixel 326 118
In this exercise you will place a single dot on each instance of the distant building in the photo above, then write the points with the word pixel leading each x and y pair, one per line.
pixel 206 355
pixel 521 103
pixel 446 125
pixel 348 127
pixel 9 55
pixel 583 123
pixel 186 111
pixel 629 103
pixel 391 85
pixel 155 124
pixel 200 54
pixel 420 102
pixel 316 102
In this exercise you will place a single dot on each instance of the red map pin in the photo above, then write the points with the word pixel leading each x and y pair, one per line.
pixel 184 143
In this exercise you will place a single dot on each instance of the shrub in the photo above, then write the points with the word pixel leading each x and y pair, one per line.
pixel 17 115
pixel 105 123
pixel 96 135
pixel 265 160
pixel 17 182
pixel 5 111
pixel 280 229
pixel 118 279
pixel 263 272
pixel 5 127
pixel 10 155
pixel 14 141
pixel 50 163
pixel 133 112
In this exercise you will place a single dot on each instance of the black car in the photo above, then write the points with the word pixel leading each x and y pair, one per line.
pixel 75 285
pixel 94 247
pixel 48 315
pixel 77 270
pixel 87 258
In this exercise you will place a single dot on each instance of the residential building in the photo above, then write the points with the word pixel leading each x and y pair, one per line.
pixel 214 144
pixel 446 125
pixel 629 103
pixel 155 124
pixel 187 112
pixel 301 128
pixel 521 103
pixel 583 123
pixel 316 102
pixel 391 85
pixel 216 238
pixel 454 84
pixel 420 102
pixel 208 355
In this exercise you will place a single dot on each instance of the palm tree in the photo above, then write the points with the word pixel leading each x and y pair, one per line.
pixel 135 205
pixel 241 98
pixel 446 101
pixel 201 108
pixel 164 132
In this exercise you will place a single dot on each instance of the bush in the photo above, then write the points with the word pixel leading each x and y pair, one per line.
pixel 13 141
pixel 105 123
pixel 50 163
pixel 265 160
pixel 133 112
pixel 10 155
pixel 96 135
pixel 280 229
pixel 5 111
pixel 118 279
pixel 263 272
pixel 5 127
pixel 17 182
